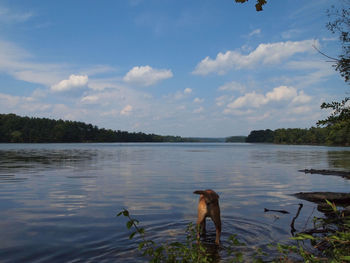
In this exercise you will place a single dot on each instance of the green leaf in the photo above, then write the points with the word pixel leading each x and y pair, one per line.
pixel 176 244
pixel 132 235
pixel 141 245
pixel 239 257
pixel 129 224
pixel 347 258
pixel 303 237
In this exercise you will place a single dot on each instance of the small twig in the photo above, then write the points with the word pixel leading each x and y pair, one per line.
pixel 323 54
pixel 308 219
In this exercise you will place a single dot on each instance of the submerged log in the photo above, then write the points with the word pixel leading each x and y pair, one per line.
pixel 343 174
pixel 342 199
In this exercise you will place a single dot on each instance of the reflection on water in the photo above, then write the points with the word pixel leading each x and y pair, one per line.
pixel 58 201
pixel 339 159
pixel 17 160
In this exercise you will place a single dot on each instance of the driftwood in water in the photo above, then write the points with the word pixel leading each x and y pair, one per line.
pixel 292 228
pixel 342 199
pixel 343 174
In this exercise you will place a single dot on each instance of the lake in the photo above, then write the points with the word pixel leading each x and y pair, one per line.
pixel 58 202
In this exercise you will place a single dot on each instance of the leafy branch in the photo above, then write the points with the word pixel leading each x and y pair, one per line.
pixel 258 6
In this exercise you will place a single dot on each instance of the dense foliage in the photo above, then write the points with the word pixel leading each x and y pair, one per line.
pixel 14 128
pixel 261 136
pixel 331 135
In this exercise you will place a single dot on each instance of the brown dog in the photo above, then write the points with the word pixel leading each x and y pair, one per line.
pixel 208 206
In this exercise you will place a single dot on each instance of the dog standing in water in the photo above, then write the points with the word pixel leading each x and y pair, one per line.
pixel 208 206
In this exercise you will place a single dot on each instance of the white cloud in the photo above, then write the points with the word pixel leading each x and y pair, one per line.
pixel 146 75
pixel 238 112
pixel 180 94
pixel 222 100
pixel 259 117
pixel 198 100
pixel 255 32
pixel 300 110
pixel 187 91
pixel 198 110
pixel 90 99
pixel 251 99
pixel 302 98
pixel 329 39
pixel 22 105
pixel 9 100
pixel 271 53
pixel 10 16
pixel 74 82
pixel 278 94
pixel 18 63
pixel 232 86
pixel 98 69
pixel 135 2
pixel 281 93
pixel 313 71
pixel 291 33
pixel 126 110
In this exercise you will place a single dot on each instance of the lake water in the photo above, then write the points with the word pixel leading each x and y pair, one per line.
pixel 58 202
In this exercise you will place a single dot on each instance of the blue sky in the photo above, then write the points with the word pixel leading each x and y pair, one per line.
pixel 190 68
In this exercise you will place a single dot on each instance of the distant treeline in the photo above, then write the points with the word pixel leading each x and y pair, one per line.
pixel 236 139
pixel 313 136
pixel 14 128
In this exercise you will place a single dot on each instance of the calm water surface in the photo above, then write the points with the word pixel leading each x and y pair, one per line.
pixel 58 202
